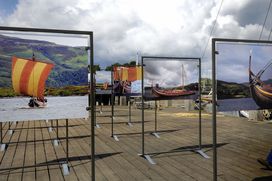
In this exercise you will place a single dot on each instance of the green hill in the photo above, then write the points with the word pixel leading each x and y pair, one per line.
pixel 228 90
pixel 70 62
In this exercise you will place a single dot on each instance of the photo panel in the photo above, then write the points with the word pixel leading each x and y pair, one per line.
pixel 127 80
pixel 43 76
pixel 103 82
pixel 244 76
pixel 171 78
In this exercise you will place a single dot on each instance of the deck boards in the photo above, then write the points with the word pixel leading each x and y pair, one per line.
pixel 241 142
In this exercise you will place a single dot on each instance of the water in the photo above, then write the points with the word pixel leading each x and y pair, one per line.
pixel 237 104
pixel 16 109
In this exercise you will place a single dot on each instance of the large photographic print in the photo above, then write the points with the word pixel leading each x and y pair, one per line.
pixel 103 82
pixel 244 79
pixel 127 80
pixel 42 77
pixel 171 79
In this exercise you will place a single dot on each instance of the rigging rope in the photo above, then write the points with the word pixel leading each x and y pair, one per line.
pixel 212 30
pixel 266 19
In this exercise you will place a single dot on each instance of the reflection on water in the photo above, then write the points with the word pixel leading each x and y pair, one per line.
pixel 237 104
pixel 16 109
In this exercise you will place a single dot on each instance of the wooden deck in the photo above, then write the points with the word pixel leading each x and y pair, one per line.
pixel 31 154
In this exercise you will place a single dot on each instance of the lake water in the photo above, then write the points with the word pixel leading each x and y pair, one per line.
pixel 237 104
pixel 16 109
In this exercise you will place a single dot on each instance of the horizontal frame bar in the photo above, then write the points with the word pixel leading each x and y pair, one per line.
pixel 41 30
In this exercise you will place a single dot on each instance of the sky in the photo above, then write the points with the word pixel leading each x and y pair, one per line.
pixel 150 27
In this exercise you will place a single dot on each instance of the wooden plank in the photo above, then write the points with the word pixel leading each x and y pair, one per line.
pixel 6 159
pixel 103 170
pixel 42 172
pixel 55 172
pixel 18 158
pixel 29 157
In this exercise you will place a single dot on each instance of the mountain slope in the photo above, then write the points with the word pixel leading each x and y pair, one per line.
pixel 70 62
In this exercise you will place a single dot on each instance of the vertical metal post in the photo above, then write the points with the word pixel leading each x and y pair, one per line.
pixel 92 89
pixel 67 143
pixel 156 116
pixel 57 122
pixel 112 102
pixel 199 105
pixel 1 133
pixel 9 125
pixel 101 100
pixel 142 64
pixel 129 111
pixel 214 92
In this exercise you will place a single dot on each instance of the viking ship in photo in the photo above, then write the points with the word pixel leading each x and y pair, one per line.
pixel 260 91
pixel 171 93
pixel 29 77
pixel 180 91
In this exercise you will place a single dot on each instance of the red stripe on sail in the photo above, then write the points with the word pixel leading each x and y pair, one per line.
pixel 42 80
pixel 132 74
pixel 25 76
pixel 14 59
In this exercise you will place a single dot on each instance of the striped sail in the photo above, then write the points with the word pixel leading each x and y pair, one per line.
pixel 127 73
pixel 29 76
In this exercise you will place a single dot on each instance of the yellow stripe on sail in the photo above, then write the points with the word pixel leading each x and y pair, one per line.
pixel 17 72
pixel 125 74
pixel 34 78
pixel 139 73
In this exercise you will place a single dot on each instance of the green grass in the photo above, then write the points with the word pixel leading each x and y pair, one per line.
pixel 63 91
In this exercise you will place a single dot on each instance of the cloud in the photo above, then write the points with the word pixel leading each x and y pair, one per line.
pixel 170 73
pixel 155 27
pixel 233 61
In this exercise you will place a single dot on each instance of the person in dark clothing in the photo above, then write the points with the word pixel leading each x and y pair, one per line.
pixel 266 162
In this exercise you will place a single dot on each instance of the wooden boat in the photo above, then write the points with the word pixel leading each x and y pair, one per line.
pixel 28 79
pixel 260 91
pixel 171 93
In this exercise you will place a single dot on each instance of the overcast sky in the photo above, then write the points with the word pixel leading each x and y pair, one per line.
pixel 151 27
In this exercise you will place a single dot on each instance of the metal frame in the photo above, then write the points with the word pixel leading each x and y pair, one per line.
pixel 197 150
pixel 129 123
pixel 91 103
pixel 214 88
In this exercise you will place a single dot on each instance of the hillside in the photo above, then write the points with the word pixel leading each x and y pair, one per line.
pixel 70 62
pixel 227 90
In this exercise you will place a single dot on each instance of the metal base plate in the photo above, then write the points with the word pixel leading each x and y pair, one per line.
pixel 130 124
pixel 10 131
pixel 56 142
pixel 97 126
pixel 46 121
pixel 149 159
pixel 113 118
pixel 201 152
pixel 115 138
pixel 2 147
pixel 50 129
pixel 156 134
pixel 65 169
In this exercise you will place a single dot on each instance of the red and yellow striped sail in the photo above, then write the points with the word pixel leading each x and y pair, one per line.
pixel 127 73
pixel 29 76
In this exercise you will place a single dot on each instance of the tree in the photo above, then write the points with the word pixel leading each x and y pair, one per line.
pixel 130 64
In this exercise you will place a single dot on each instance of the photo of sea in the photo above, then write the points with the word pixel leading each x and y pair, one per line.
pixel 244 77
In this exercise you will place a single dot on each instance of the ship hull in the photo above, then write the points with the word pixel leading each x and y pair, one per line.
pixel 171 94
pixel 261 97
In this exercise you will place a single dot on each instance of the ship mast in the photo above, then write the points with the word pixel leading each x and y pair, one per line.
pixel 183 76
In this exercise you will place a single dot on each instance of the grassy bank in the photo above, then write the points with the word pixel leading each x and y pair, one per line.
pixel 60 91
